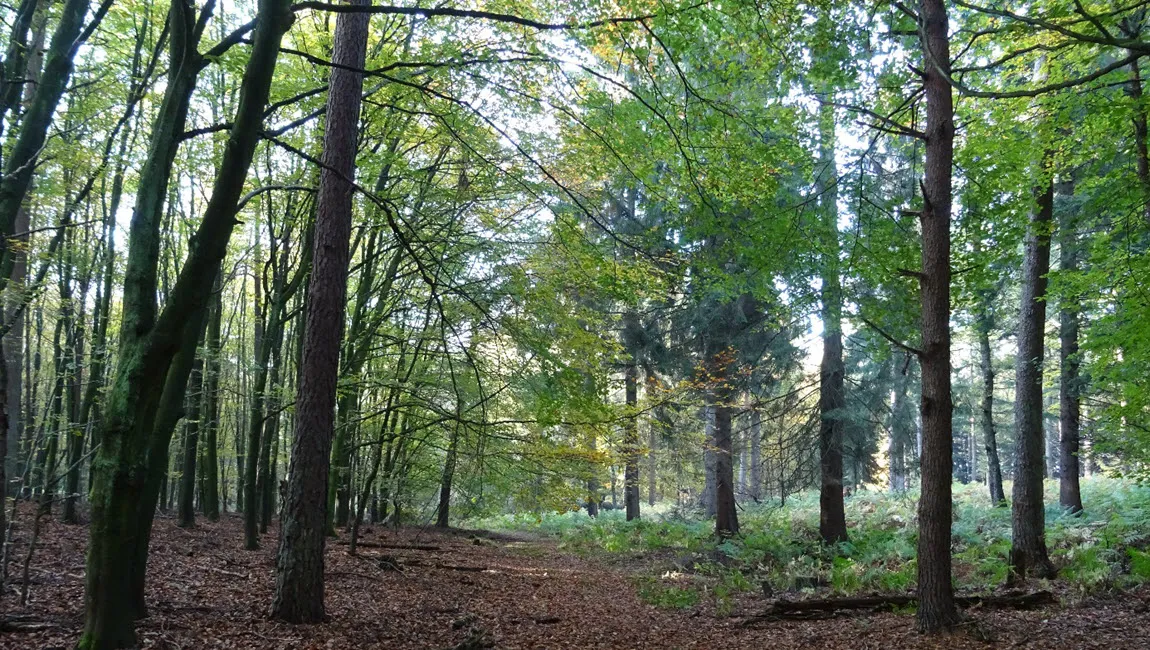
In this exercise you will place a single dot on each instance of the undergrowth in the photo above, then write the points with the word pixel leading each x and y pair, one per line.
pixel 1107 547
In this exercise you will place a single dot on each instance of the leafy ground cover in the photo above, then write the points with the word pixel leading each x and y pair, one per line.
pixel 1105 549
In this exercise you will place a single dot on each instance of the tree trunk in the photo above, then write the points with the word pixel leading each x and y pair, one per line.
pixel 1028 514
pixel 832 398
pixel 899 431
pixel 707 498
pixel 442 517
pixel 631 441
pixel 726 517
pixel 299 591
pixel 210 497
pixel 124 469
pixel 935 588
pixel 984 323
pixel 186 511
pixel 756 433
pixel 1070 380
pixel 654 425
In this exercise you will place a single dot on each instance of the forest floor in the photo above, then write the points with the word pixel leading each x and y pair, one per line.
pixel 423 588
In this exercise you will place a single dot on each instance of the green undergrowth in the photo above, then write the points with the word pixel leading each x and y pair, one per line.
pixel 1105 548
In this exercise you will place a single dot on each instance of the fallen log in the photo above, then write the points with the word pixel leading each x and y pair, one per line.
pixel 402 547
pixel 816 609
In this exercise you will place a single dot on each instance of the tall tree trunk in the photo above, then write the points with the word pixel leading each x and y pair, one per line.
pixel 299 591
pixel 900 418
pixel 1069 379
pixel 442 513
pixel 186 510
pixel 654 424
pixel 708 499
pixel 726 516
pixel 1028 513
pixel 131 439
pixel 936 610
pixel 984 323
pixel 265 482
pixel 210 497
pixel 631 441
pixel 756 433
pixel 832 397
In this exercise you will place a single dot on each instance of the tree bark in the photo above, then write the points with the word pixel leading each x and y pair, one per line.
pixel 210 497
pixel 708 499
pixel 653 423
pixel 1069 379
pixel 299 591
pixel 631 440
pixel 832 397
pixel 443 512
pixel 935 589
pixel 1028 513
pixel 984 323
pixel 756 433
pixel 186 511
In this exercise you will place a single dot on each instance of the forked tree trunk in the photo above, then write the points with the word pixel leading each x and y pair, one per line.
pixel 128 459
pixel 299 590
pixel 936 609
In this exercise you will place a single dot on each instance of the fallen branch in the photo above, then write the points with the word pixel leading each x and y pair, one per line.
pixel 25 624
pixel 832 607
pixel 456 567
pixel 405 547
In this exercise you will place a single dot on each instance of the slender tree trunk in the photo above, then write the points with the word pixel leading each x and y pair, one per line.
pixel 186 510
pixel 984 323
pixel 210 499
pixel 708 497
pixel 299 591
pixel 936 609
pixel 631 441
pixel 653 424
pixel 442 517
pixel 1070 379
pixel 1028 513
pixel 265 483
pixel 756 433
pixel 900 417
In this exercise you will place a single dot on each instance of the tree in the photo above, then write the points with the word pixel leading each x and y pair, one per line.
pixel 936 609
pixel 133 439
pixel 299 560
pixel 1028 509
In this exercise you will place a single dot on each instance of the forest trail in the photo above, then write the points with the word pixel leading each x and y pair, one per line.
pixel 424 588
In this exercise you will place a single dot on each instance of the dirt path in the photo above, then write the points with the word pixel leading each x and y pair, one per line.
pixel 430 589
